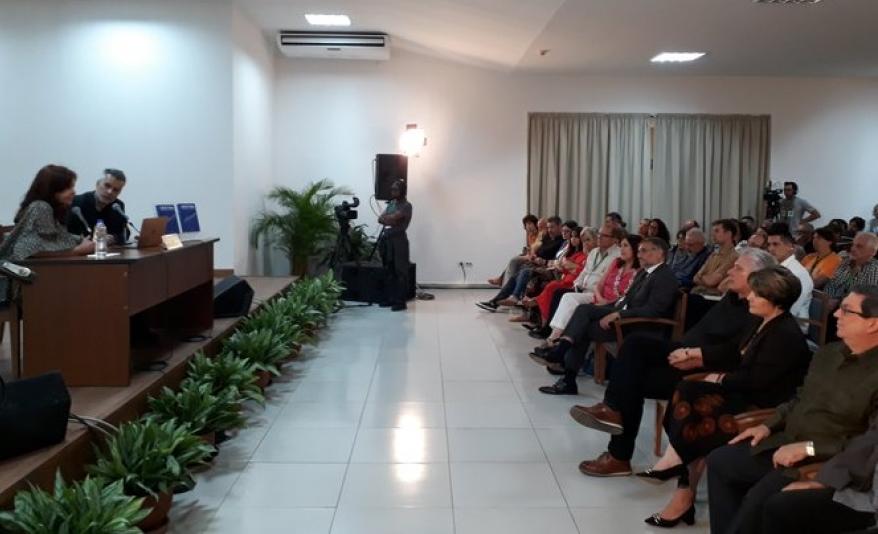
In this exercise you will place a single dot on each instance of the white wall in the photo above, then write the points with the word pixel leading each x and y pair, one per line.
pixel 468 187
pixel 253 92
pixel 141 85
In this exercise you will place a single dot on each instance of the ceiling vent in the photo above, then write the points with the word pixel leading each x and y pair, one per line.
pixel 334 45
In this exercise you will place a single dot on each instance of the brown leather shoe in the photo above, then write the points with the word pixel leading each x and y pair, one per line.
pixel 599 417
pixel 605 466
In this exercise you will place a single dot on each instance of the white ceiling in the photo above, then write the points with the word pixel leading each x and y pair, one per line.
pixel 614 37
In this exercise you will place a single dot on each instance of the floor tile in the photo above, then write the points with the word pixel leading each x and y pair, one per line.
pixel 480 391
pixel 517 485
pixel 271 485
pixel 292 444
pixel 320 414
pixel 486 415
pixel 400 445
pixel 357 520
pixel 235 520
pixel 396 485
pixel 515 521
pixel 494 445
pixel 404 415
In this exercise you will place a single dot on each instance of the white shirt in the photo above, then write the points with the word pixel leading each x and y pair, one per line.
pixel 596 265
pixel 802 306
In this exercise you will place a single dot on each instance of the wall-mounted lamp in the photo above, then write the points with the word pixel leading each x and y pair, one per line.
pixel 412 140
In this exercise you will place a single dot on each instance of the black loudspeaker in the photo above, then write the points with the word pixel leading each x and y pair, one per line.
pixel 364 282
pixel 388 169
pixel 232 297
pixel 33 414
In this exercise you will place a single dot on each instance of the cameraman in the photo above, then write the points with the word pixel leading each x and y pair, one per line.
pixel 794 210
pixel 394 246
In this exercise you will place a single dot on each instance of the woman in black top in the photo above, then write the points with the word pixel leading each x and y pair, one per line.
pixel 774 358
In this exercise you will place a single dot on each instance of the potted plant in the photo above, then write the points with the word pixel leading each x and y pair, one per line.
pixel 306 225
pixel 226 372
pixel 151 459
pixel 196 406
pixel 263 348
pixel 93 506
pixel 276 317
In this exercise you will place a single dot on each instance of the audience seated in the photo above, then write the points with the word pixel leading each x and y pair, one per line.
pixel 615 219
pixel 653 293
pixel 708 278
pixel 859 268
pixel 823 262
pixel 687 260
pixel 40 224
pixel 873 222
pixel 804 235
pixel 836 403
pixel 842 497
pixel 768 363
pixel 550 244
pixel 758 239
pixel 856 225
pixel 781 245
pixel 569 268
pixel 584 287
pixel 658 228
pixel 649 366
pixel 533 229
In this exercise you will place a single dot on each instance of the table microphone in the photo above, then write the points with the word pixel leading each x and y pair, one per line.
pixel 118 209
pixel 78 214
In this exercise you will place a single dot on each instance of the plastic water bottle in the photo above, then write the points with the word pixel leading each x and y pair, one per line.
pixel 100 239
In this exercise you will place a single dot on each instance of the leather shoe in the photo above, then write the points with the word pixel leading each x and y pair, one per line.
pixel 543 360
pixel 555 369
pixel 561 387
pixel 540 333
pixel 599 417
pixel 605 466
pixel 656 520
pixel 658 476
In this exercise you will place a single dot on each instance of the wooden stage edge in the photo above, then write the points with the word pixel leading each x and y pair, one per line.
pixel 118 404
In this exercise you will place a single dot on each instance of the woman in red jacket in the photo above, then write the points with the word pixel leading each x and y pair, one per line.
pixel 581 242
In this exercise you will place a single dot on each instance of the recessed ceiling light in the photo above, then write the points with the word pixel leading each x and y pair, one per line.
pixel 328 20
pixel 676 57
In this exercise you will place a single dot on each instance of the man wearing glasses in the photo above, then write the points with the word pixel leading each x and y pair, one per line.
pixel 652 293
pixel 836 403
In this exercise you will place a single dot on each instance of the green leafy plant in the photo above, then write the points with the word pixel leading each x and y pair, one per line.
pixel 306 224
pixel 150 457
pixel 261 347
pixel 361 243
pixel 276 316
pixel 196 406
pixel 92 506
pixel 226 372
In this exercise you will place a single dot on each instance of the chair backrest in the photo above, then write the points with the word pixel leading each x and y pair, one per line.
pixel 818 318
pixel 680 316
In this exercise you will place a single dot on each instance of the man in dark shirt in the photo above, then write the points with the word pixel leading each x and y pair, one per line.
pixel 836 403
pixel 395 246
pixel 649 367
pixel 98 205
pixel 685 263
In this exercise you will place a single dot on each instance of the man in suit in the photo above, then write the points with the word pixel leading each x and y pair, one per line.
pixel 652 293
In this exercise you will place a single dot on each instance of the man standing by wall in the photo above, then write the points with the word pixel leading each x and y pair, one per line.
pixel 793 209
pixel 394 246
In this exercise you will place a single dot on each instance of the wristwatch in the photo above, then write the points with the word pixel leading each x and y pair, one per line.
pixel 809 448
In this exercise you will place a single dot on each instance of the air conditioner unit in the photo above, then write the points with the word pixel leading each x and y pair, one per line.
pixel 339 45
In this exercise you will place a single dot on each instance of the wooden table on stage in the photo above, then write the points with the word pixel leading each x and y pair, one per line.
pixel 77 315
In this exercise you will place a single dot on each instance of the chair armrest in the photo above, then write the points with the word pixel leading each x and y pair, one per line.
pixel 640 321
pixel 695 377
pixel 753 418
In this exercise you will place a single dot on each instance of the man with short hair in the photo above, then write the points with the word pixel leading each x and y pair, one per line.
pixel 685 263
pixel 794 209
pixel 861 267
pixel 653 293
pixel 649 367
pixel 835 403
pixel 804 236
pixel 782 246
pixel 706 281
pixel 98 205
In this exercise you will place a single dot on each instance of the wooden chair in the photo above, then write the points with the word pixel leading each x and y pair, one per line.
pixel 677 325
pixel 818 319
pixel 10 312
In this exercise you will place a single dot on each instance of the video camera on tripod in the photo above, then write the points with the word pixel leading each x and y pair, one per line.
pixel 772 198
pixel 345 213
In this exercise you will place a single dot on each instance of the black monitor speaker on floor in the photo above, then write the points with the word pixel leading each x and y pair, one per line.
pixel 364 282
pixel 388 169
pixel 232 297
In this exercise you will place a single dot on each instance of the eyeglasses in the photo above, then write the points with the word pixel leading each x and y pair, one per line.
pixel 643 250
pixel 847 311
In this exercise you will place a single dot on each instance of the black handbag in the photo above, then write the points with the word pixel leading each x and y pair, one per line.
pixel 33 414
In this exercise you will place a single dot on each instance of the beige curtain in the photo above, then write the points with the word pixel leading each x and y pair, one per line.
pixel 709 166
pixel 579 164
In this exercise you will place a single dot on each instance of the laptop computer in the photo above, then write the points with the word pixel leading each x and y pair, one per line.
pixel 151 231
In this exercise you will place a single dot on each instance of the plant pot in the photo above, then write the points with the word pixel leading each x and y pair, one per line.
pixel 159 514
pixel 264 379
pixel 208 437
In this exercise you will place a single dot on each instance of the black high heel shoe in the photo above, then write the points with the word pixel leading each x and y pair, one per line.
pixel 660 476
pixel 657 520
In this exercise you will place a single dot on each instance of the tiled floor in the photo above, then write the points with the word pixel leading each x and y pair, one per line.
pixel 427 421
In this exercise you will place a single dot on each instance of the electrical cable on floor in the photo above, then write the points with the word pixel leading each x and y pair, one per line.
pixel 93 423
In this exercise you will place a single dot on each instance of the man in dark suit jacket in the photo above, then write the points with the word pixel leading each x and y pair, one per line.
pixel 98 204
pixel 653 293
